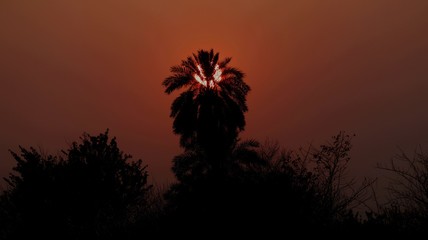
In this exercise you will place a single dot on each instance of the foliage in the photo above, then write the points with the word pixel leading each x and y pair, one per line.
pixel 339 193
pixel 208 117
pixel 91 190
pixel 407 206
pixel 308 189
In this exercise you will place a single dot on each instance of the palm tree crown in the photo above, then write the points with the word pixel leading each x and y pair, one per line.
pixel 210 112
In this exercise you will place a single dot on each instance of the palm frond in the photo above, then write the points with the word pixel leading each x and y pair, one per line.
pixel 235 93
pixel 187 164
pixel 211 54
pixel 233 71
pixel 215 59
pixel 190 64
pixel 181 102
pixel 224 63
pixel 176 82
pixel 178 69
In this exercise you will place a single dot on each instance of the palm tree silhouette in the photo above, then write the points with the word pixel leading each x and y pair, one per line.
pixel 209 114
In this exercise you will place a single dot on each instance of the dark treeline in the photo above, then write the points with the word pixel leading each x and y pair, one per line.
pixel 93 190
pixel 225 186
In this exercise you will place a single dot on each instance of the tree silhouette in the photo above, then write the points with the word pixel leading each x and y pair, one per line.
pixel 192 169
pixel 92 190
pixel 209 114
pixel 267 190
pixel 338 192
pixel 221 176
pixel 192 165
pixel 407 206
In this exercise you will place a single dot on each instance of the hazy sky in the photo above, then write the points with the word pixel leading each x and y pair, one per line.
pixel 315 67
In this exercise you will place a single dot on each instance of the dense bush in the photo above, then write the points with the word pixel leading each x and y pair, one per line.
pixel 92 190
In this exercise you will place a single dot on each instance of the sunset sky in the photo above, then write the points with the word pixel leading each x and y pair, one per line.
pixel 315 68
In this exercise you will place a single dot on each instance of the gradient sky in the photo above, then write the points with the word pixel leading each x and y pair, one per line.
pixel 315 67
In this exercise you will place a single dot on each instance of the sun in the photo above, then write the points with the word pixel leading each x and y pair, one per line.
pixel 211 80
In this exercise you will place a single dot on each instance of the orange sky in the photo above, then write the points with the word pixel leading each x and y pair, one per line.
pixel 315 67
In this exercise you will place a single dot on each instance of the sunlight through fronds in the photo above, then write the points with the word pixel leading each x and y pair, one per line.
pixel 202 79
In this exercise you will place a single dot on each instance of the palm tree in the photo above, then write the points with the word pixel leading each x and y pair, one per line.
pixel 209 114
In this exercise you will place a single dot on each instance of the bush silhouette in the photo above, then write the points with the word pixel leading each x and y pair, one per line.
pixel 92 190
pixel 407 208
pixel 267 191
